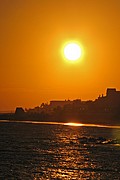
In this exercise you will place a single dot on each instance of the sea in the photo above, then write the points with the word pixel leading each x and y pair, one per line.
pixel 58 151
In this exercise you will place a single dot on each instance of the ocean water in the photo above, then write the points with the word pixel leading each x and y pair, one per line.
pixel 34 151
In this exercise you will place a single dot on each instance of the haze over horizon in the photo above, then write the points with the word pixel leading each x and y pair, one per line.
pixel 32 67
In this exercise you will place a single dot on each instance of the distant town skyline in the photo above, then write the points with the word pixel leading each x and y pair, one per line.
pixel 61 102
pixel 32 34
pixel 105 109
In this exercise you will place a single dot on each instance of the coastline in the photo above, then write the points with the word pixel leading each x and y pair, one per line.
pixel 70 123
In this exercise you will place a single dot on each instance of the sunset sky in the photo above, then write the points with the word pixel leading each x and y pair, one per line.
pixel 32 34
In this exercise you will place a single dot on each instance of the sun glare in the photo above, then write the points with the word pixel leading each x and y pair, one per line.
pixel 74 124
pixel 72 51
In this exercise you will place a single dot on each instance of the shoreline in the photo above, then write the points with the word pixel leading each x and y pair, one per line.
pixel 62 123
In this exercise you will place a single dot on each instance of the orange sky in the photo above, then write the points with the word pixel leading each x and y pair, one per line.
pixel 32 33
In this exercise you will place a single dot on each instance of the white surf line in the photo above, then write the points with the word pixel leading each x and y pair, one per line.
pixel 65 124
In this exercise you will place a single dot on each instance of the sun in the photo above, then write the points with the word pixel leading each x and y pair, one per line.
pixel 72 51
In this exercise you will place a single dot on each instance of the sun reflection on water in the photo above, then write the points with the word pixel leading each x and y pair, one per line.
pixel 56 151
pixel 73 124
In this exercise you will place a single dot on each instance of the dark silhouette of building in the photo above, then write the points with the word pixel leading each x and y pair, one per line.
pixel 19 112
pixel 104 110
pixel 54 104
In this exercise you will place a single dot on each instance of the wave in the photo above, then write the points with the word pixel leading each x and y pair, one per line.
pixel 61 123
